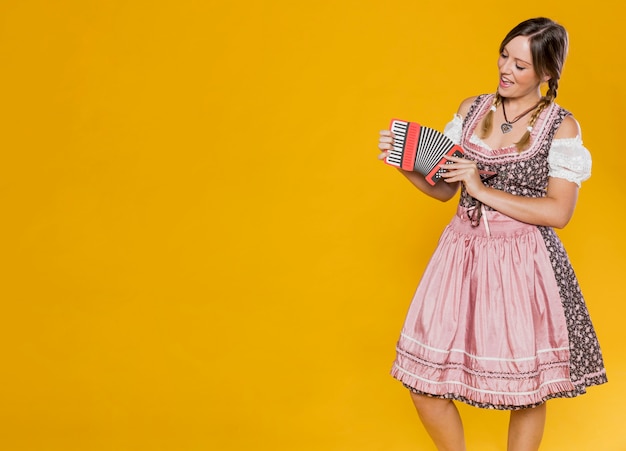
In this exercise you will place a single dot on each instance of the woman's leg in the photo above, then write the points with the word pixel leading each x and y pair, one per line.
pixel 442 421
pixel 526 428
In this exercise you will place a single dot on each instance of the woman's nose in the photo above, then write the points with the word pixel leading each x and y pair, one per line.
pixel 505 68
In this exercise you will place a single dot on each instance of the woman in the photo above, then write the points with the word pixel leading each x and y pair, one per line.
pixel 498 320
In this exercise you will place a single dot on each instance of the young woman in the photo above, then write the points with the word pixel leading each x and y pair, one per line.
pixel 498 320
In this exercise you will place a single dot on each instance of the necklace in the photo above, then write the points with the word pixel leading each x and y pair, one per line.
pixel 507 126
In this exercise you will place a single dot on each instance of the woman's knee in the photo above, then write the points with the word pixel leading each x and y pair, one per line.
pixel 428 405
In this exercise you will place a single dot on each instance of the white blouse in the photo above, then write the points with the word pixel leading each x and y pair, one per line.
pixel 568 158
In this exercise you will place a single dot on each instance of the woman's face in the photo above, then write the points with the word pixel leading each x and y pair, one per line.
pixel 518 78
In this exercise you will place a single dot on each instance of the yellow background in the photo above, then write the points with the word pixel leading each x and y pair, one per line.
pixel 200 250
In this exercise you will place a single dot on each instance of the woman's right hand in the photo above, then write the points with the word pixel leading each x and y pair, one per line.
pixel 440 191
pixel 385 143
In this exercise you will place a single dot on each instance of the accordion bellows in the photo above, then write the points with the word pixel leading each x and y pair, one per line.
pixel 420 149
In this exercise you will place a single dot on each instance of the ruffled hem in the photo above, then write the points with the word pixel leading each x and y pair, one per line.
pixel 580 390
pixel 483 400
pixel 483 405
pixel 495 401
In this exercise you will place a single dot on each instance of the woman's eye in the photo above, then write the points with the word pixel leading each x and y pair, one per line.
pixel 519 68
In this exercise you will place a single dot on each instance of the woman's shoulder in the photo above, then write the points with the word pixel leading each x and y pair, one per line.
pixel 569 128
pixel 467 104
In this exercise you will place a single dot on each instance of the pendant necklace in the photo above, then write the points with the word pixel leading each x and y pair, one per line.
pixel 507 126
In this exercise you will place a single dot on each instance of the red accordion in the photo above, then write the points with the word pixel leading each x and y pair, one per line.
pixel 420 149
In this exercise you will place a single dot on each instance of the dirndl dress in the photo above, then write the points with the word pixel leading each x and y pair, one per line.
pixel 498 319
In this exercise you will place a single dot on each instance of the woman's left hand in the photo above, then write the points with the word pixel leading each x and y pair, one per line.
pixel 465 171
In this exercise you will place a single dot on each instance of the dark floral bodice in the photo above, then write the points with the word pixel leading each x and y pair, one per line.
pixel 520 173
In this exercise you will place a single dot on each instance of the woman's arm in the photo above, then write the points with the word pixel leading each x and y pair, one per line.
pixel 440 191
pixel 553 210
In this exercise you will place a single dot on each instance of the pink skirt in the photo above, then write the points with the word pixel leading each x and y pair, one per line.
pixel 486 325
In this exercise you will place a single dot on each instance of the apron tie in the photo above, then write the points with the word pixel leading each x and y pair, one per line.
pixel 477 212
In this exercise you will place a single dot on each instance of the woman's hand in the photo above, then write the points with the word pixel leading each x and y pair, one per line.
pixel 465 171
pixel 385 143
pixel 441 191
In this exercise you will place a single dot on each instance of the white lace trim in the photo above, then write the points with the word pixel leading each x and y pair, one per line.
pixel 454 129
pixel 568 159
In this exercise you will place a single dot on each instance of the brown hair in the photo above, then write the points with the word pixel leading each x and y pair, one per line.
pixel 548 46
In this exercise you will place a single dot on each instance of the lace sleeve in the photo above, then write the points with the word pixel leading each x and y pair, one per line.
pixel 570 160
pixel 453 129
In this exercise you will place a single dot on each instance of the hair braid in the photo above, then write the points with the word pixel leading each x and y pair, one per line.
pixel 553 86
pixel 488 121
pixel 525 139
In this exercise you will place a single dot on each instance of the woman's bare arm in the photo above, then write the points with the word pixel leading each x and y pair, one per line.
pixel 440 191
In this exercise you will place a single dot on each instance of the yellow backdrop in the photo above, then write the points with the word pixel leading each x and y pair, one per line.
pixel 200 250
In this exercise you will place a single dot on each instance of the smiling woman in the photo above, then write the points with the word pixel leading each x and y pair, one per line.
pixel 498 320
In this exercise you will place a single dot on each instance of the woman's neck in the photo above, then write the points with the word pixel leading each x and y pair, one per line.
pixel 516 105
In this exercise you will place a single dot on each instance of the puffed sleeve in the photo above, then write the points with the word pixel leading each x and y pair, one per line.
pixel 570 160
pixel 453 129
